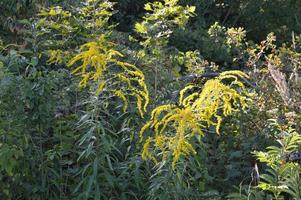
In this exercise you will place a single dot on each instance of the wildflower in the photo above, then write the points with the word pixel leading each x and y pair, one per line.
pixel 197 110
pixel 94 61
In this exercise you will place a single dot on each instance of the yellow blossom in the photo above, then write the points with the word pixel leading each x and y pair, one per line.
pixel 174 126
pixel 94 62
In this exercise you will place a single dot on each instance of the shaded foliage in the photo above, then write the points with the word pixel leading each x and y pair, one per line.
pixel 79 80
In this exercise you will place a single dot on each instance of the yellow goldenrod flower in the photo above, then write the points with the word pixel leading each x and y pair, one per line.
pixel 93 62
pixel 197 110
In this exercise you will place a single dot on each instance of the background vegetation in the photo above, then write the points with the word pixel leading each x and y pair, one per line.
pixel 150 99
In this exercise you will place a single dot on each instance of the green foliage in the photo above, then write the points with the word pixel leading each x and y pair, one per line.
pixel 76 77
pixel 247 193
pixel 61 30
pixel 30 126
pixel 159 22
pixel 281 177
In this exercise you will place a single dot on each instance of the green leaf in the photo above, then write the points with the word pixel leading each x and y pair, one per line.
pixel 148 7
pixel 34 61
pixel 191 9
pixel 140 28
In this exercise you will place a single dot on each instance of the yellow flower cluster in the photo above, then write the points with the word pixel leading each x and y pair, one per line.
pixel 200 109
pixel 94 55
pixel 97 58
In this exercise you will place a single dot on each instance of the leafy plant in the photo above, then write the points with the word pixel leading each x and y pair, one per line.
pixel 281 177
